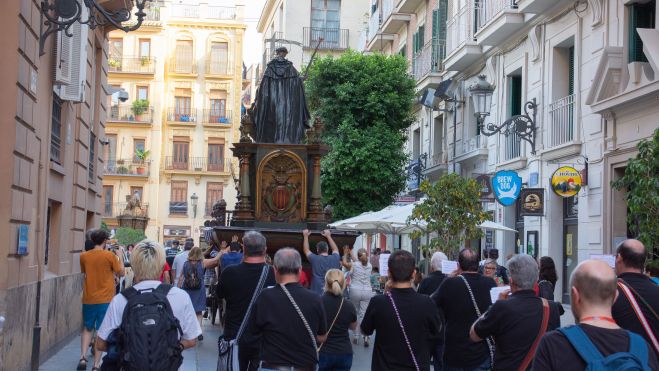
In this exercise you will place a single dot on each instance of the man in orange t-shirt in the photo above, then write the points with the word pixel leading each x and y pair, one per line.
pixel 99 267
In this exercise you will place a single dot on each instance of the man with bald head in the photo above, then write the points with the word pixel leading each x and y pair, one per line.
pixel 592 293
pixel 634 286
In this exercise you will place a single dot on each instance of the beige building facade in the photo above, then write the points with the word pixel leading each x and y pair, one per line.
pixel 186 62
pixel 54 113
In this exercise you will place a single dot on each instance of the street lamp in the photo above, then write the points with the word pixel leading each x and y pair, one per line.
pixel 194 199
pixel 60 15
pixel 524 126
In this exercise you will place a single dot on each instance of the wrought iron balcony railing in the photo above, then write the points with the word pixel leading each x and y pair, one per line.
pixel 561 112
pixel 127 114
pixel 215 116
pixel 115 209
pixel 197 164
pixel 429 59
pixel 178 208
pixel 127 64
pixel 127 167
pixel 332 38
pixel 185 115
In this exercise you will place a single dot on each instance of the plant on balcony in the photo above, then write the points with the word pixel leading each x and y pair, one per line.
pixel 114 63
pixel 365 102
pixel 452 210
pixel 141 155
pixel 145 61
pixel 641 183
pixel 122 170
pixel 139 107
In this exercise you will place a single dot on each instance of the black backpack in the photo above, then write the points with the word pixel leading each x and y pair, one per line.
pixel 191 280
pixel 149 333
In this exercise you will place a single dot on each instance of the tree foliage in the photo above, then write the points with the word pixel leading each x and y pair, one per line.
pixel 452 210
pixel 127 236
pixel 104 226
pixel 641 181
pixel 365 102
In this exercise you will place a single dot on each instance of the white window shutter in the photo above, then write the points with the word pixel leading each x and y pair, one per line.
pixel 63 49
pixel 75 90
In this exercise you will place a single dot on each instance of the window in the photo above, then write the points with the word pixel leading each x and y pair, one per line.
pixel 138 145
pixel 438 139
pixel 219 58
pixel 106 197
pixel 418 39
pixel 178 202
pixel 110 153
pixel 416 144
pixel 56 130
pixel 142 92
pixel 115 96
pixel 215 157
pixel 325 22
pixel 213 194
pixel 145 48
pixel 116 49
pixel 439 19
pixel 92 156
pixel 218 102
pixel 403 51
pixel 640 16
pixel 180 155
pixel 182 108
pixel 514 108
pixel 183 57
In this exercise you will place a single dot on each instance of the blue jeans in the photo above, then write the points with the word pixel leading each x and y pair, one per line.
pixel 482 367
pixel 334 362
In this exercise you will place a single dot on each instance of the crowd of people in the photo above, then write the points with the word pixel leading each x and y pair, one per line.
pixel 274 318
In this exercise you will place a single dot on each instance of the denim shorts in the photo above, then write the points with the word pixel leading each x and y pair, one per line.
pixel 93 314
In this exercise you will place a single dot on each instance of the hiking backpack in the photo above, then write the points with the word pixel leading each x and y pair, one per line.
pixel 149 333
pixel 636 359
pixel 191 279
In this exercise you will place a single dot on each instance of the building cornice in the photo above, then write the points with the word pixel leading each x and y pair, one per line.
pixel 265 15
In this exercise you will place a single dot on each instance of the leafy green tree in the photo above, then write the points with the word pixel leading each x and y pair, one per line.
pixel 641 181
pixel 127 236
pixel 365 102
pixel 452 211
pixel 104 227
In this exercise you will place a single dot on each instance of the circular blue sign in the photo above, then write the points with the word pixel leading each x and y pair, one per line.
pixel 506 185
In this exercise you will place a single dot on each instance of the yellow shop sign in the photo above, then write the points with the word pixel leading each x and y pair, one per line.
pixel 566 181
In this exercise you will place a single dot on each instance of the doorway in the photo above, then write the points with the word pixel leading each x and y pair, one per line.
pixel 570 242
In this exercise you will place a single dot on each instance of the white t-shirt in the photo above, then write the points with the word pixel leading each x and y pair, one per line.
pixel 361 275
pixel 178 299
pixel 179 260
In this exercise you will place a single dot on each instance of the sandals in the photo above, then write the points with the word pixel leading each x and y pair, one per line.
pixel 96 368
pixel 82 364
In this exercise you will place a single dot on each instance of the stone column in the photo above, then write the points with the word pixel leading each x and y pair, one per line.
pixel 244 210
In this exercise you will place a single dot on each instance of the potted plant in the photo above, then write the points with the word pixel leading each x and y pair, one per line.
pixel 114 63
pixel 144 61
pixel 139 107
pixel 141 155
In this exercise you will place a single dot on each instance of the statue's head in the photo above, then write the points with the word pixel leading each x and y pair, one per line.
pixel 281 51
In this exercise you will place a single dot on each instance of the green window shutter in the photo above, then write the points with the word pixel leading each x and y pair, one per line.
pixel 435 22
pixel 515 102
pixel 414 43
pixel 640 16
pixel 422 31
pixel 571 70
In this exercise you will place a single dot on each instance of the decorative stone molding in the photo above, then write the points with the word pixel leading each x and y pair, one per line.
pixel 608 76
pixel 597 7
pixel 535 34
pixel 491 67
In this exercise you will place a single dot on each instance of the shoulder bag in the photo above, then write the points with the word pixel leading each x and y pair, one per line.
pixel 627 290
pixel 333 322
pixel 304 320
pixel 543 328
pixel 402 329
pixel 488 340
pixel 228 349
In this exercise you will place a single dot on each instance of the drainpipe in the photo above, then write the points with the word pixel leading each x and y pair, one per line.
pixel 36 330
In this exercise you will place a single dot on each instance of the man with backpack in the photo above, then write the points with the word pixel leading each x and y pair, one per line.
pixel 596 342
pixel 148 310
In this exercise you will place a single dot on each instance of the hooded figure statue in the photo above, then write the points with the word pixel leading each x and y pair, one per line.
pixel 282 115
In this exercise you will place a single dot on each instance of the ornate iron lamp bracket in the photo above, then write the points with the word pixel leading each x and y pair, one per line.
pixel 60 15
pixel 524 126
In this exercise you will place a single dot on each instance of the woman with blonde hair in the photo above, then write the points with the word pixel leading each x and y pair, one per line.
pixel 335 354
pixel 192 280
pixel 361 290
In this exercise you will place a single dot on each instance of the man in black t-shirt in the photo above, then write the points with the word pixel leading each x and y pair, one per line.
pixel 417 313
pixel 455 304
pixel 630 261
pixel 593 290
pixel 514 322
pixel 236 286
pixel 286 341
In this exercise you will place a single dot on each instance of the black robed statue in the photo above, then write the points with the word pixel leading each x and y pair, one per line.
pixel 282 115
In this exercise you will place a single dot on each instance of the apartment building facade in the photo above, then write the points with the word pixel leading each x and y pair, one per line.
pixel 331 25
pixel 53 116
pixel 183 73
pixel 591 67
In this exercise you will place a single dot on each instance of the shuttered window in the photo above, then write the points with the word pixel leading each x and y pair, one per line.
pixel 106 198
pixel 215 157
pixel 180 155
pixel 183 56
pixel 178 202
pixel 56 130
pixel 640 16
pixel 214 192
pixel 570 52
pixel 219 58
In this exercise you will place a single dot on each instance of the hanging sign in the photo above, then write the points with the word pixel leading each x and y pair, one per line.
pixel 506 185
pixel 484 182
pixel 532 202
pixel 566 181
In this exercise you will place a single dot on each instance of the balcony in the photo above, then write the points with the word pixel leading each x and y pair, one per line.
pixel 182 64
pixel 536 6
pixel 496 21
pixel 178 208
pixel 197 164
pixel 437 164
pixel 427 64
pixel 376 39
pixel 217 117
pixel 408 6
pixel 561 128
pixel 127 168
pixel 218 68
pixel 124 114
pixel 205 12
pixel 182 116
pixel 124 64
pixel 115 209
pixel 471 148
pixel 333 38
pixel 461 48
pixel 392 20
